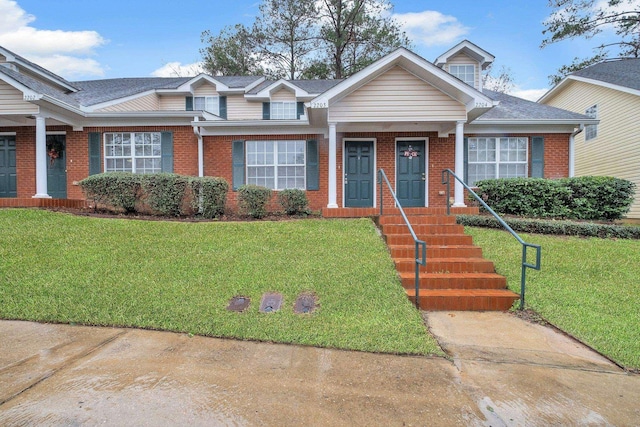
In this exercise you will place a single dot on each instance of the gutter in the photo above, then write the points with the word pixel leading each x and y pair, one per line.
pixel 196 130
pixel 572 150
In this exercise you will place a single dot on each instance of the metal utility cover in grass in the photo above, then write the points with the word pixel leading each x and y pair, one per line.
pixel 305 304
pixel 238 304
pixel 270 302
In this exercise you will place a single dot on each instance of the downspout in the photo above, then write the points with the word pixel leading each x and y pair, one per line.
pixel 572 151
pixel 196 130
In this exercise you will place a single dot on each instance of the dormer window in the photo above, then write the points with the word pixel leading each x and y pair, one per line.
pixel 466 73
pixel 284 110
pixel 210 104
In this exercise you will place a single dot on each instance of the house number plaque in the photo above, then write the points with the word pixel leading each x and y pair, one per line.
pixel 410 153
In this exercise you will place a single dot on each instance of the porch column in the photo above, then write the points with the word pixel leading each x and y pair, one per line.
pixel 41 158
pixel 459 166
pixel 333 193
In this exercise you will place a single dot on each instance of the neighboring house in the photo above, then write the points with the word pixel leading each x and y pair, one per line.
pixel 406 115
pixel 610 92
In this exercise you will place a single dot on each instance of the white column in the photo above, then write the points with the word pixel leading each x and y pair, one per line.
pixel 41 158
pixel 459 166
pixel 333 179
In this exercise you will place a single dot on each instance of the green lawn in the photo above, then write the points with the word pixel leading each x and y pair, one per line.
pixel 175 276
pixel 589 288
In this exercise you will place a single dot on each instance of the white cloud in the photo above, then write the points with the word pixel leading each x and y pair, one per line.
pixel 431 28
pixel 63 52
pixel 176 69
pixel 530 94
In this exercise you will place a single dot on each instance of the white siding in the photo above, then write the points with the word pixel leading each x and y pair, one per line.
pixel 239 109
pixel 11 101
pixel 205 89
pixel 462 59
pixel 144 103
pixel 172 103
pixel 616 149
pixel 283 95
pixel 398 96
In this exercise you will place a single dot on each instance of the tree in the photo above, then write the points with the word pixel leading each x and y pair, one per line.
pixel 230 53
pixel 285 35
pixel 503 82
pixel 355 33
pixel 587 18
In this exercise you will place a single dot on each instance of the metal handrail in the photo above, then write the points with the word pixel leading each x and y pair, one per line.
pixel 419 244
pixel 445 180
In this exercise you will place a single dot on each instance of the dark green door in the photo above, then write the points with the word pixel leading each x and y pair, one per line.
pixel 56 166
pixel 411 176
pixel 358 174
pixel 8 185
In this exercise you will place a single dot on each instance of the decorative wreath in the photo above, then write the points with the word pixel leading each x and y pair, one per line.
pixel 55 147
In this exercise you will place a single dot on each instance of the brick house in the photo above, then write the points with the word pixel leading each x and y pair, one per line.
pixel 403 114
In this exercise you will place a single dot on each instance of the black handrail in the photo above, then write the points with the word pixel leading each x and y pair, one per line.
pixel 445 180
pixel 419 244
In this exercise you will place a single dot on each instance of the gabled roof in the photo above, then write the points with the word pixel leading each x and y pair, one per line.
pixel 92 92
pixel 622 75
pixel 35 68
pixel 39 87
pixel 517 110
pixel 482 56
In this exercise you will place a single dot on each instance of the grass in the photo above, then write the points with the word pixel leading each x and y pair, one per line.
pixel 176 276
pixel 589 287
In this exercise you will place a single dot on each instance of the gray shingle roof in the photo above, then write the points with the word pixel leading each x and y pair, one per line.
pixel 39 87
pixel 623 72
pixel 39 68
pixel 315 87
pixel 98 91
pixel 513 108
pixel 234 82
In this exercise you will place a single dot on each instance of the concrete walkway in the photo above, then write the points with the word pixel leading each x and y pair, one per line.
pixel 505 371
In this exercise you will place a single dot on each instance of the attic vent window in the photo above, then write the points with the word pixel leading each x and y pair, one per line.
pixel 591 131
pixel 466 73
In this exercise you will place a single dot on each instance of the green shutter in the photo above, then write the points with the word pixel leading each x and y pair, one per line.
pixel 166 144
pixel 537 157
pixel 266 111
pixel 465 176
pixel 300 109
pixel 313 175
pixel 189 103
pixel 95 148
pixel 238 164
pixel 223 107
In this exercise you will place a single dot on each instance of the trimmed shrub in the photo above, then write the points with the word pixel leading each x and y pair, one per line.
pixel 566 228
pixel 294 202
pixel 209 196
pixel 164 192
pixel 253 200
pixel 116 190
pixel 592 198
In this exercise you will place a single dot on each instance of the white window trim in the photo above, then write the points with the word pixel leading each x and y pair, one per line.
pixel 275 165
pixel 215 100
pixel 591 131
pixel 283 103
pixel 497 161
pixel 133 156
pixel 473 82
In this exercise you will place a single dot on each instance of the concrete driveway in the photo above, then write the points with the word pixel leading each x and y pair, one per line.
pixel 503 371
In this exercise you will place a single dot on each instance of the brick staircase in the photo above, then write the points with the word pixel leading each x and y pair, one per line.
pixel 456 276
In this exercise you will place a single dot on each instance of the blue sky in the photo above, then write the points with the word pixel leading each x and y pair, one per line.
pixel 92 39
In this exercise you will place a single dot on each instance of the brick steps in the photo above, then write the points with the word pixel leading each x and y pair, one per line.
pixel 456 276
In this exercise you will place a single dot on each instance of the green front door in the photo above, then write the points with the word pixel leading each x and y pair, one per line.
pixel 411 173
pixel 358 174
pixel 8 184
pixel 56 166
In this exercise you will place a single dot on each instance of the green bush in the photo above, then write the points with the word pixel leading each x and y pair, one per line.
pixel 165 192
pixel 294 202
pixel 209 196
pixel 117 190
pixel 253 200
pixel 567 228
pixel 593 198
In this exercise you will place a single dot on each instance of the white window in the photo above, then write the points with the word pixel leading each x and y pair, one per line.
pixel 210 104
pixel 284 110
pixel 466 73
pixel 278 165
pixel 490 158
pixel 591 131
pixel 137 152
